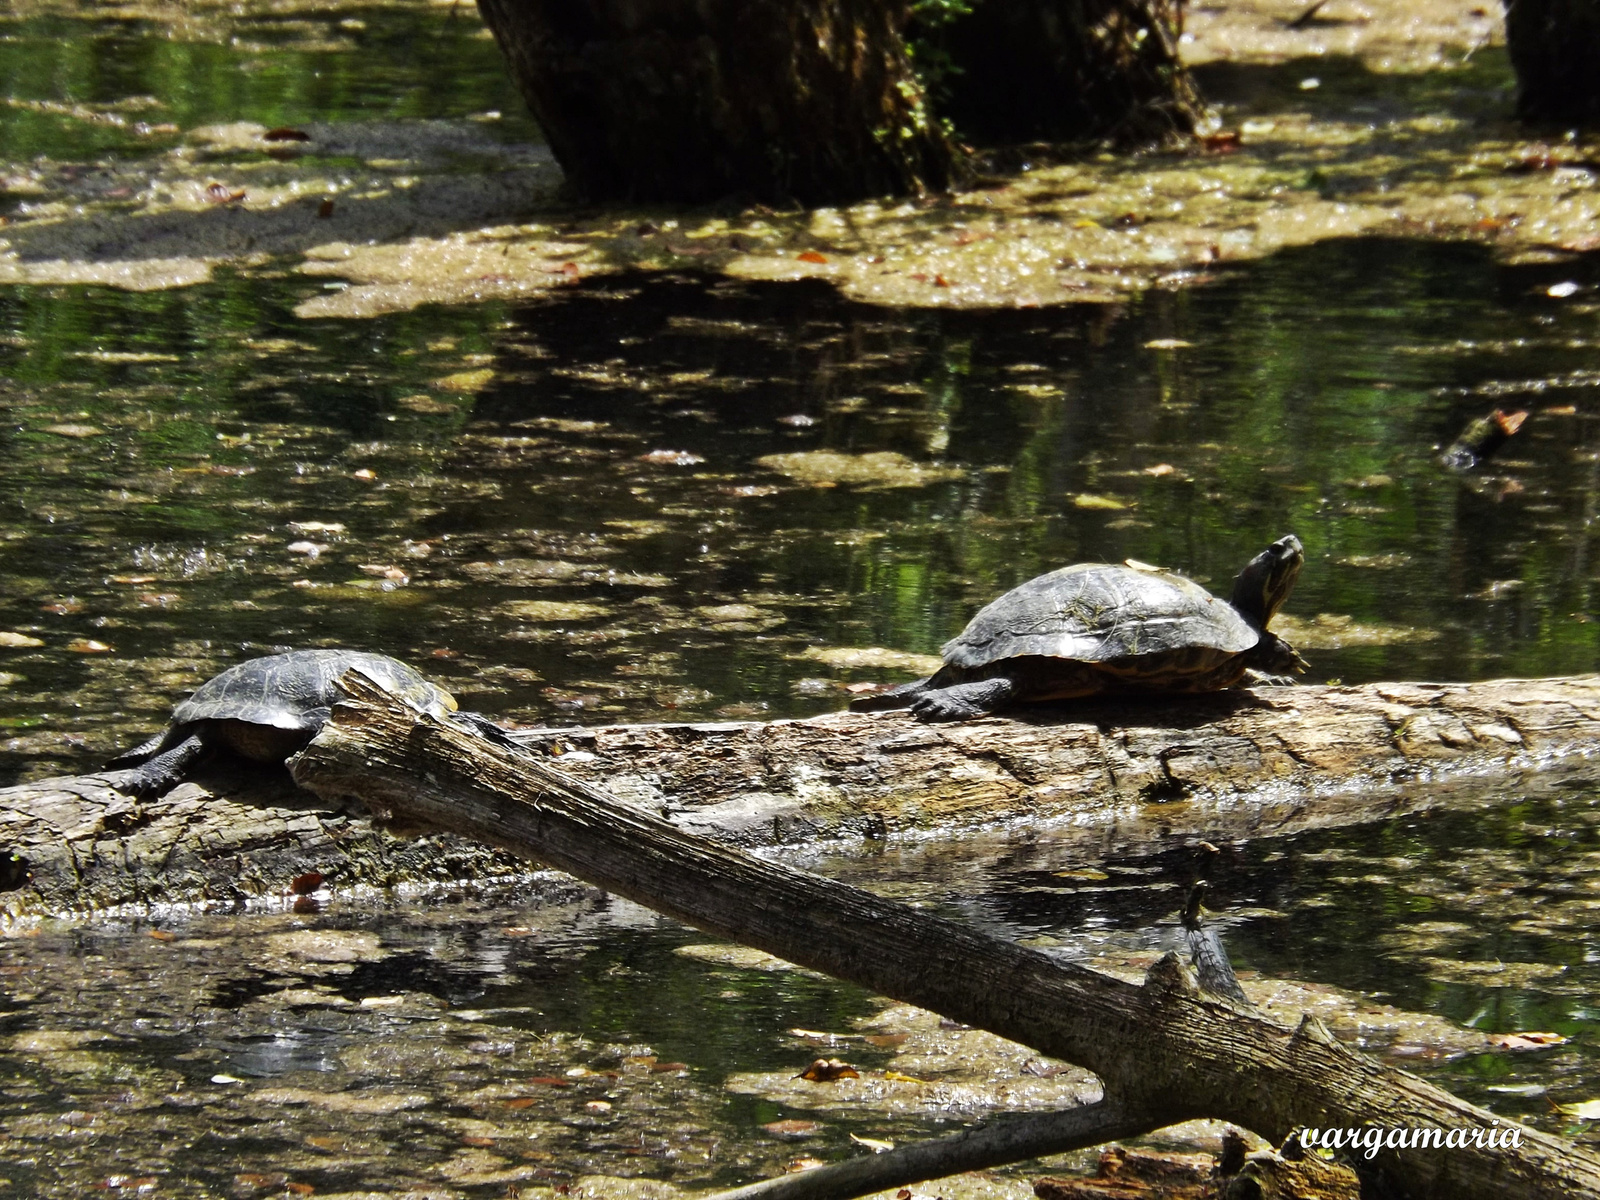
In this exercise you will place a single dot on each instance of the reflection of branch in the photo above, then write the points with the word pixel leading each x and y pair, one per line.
pixel 1304 18
pixel 1008 1140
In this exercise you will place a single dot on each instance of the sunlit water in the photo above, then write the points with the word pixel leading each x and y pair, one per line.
pixel 649 498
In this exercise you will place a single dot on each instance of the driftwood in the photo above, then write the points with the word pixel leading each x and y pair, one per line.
pixel 1164 1051
pixel 1243 763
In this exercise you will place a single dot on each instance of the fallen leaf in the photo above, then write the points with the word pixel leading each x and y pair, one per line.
pixel 826 1070
pixel 221 193
pixel 873 1144
pixel 886 1039
pixel 793 1128
pixel 1587 1110
pixel 17 641
pixel 811 256
pixel 285 134
pixel 1526 1041
pixel 304 885
pixel 88 646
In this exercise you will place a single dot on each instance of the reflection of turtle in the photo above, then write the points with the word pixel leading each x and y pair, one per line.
pixel 1095 628
pixel 269 708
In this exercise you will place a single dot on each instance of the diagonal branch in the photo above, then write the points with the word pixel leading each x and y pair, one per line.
pixel 1008 1139
pixel 1162 1049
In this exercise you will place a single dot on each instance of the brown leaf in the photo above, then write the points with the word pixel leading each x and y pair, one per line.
pixel 304 885
pixel 826 1070
pixel 1224 141
pixel 793 1128
pixel 1526 1041
pixel 811 256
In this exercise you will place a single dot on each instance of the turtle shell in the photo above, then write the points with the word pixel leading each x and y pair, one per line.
pixel 294 691
pixel 1095 613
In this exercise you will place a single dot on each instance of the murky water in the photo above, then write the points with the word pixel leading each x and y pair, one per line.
pixel 669 496
pixel 651 497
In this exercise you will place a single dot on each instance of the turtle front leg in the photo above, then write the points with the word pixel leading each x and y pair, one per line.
pixel 486 729
pixel 963 701
pixel 164 771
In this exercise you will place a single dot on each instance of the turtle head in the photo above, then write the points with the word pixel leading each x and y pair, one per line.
pixel 1267 580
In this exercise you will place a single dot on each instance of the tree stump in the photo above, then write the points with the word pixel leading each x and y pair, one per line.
pixel 777 101
pixel 1555 49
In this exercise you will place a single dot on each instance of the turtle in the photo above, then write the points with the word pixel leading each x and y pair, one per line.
pixel 266 709
pixel 1100 628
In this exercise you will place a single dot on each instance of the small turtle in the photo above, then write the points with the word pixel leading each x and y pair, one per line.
pixel 1096 628
pixel 269 708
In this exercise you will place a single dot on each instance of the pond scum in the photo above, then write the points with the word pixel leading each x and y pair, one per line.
pixel 302 345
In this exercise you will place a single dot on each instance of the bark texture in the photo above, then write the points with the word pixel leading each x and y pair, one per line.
pixel 1065 71
pixel 771 100
pixel 1555 50
pixel 1162 1049
pixel 1248 763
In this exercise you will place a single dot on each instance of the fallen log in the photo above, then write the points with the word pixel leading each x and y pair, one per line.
pixel 1164 1051
pixel 1128 778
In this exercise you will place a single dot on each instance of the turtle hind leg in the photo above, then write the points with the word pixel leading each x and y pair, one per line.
pixel 161 772
pixel 963 701
pixel 896 697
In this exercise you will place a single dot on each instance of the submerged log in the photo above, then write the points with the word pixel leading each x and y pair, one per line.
pixel 1242 763
pixel 771 100
pixel 1164 1051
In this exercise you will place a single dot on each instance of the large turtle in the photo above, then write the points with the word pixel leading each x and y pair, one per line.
pixel 269 708
pixel 1096 628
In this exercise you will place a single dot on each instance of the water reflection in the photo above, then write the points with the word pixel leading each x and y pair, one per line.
pixel 489 1039
pixel 650 497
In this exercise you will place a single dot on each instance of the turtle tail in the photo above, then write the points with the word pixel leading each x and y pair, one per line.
pixel 143 752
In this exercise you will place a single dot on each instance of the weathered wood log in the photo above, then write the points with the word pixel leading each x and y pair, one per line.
pixel 1243 763
pixel 1163 1049
pixel 773 100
